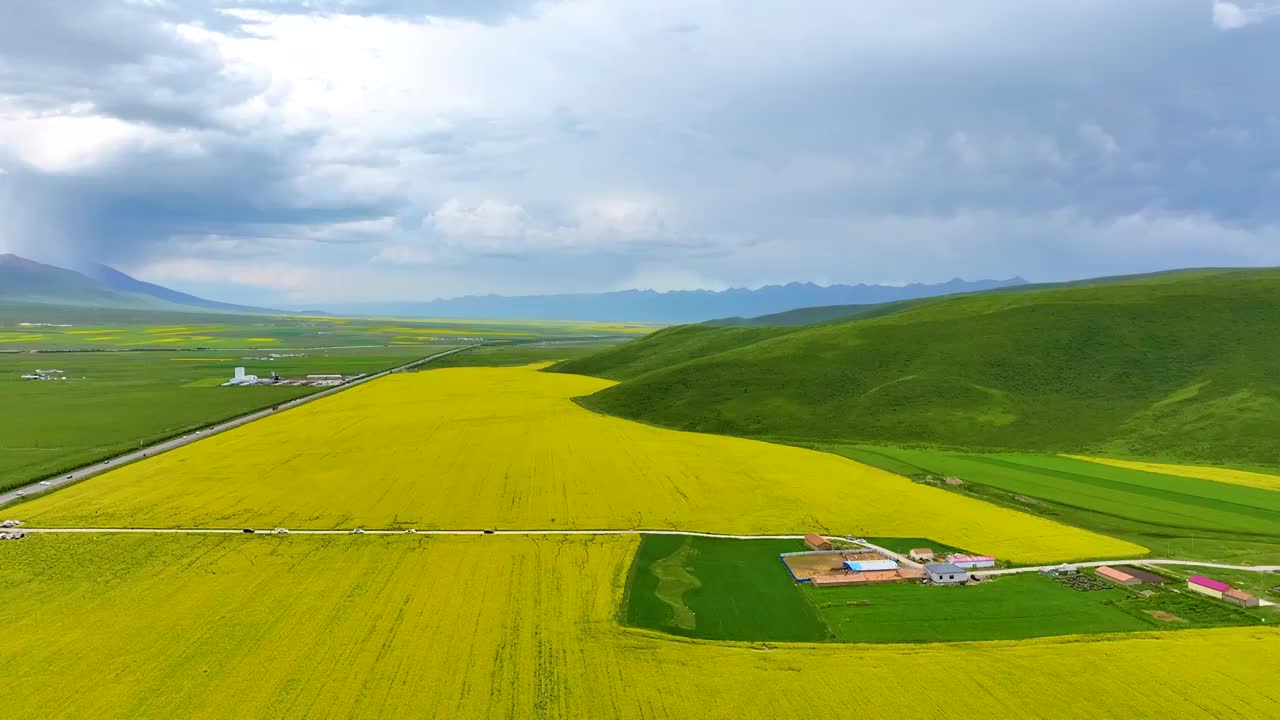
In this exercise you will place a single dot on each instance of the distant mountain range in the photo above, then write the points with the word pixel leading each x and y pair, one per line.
pixel 117 280
pixel 28 281
pixel 679 306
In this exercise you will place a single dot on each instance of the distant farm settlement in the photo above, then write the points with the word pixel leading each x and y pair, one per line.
pixel 823 565
pixel 241 378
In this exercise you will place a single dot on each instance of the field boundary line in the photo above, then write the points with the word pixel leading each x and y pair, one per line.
pixel 362 531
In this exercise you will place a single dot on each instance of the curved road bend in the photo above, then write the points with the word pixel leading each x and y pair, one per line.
pixel 53 483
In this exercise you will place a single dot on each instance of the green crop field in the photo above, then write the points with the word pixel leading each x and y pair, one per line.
pixel 718 589
pixel 113 402
pixel 722 589
pixel 1174 516
pixel 1178 367
pixel 33 326
pixel 1007 608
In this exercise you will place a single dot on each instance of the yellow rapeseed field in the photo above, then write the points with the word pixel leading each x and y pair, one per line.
pixel 1199 472
pixel 232 626
pixel 472 448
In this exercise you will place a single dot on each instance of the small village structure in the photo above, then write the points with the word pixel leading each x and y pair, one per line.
pixel 1206 586
pixel 242 378
pixel 1222 591
pixel 814 541
pixel 1063 570
pixel 946 574
pixel 921 554
pixel 1241 598
pixel 970 562
pixel 870 565
pixel 1117 576
pixel 13 535
pixel 829 568
pixel 1144 576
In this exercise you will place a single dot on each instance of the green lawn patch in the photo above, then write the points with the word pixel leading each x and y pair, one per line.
pixel 1008 608
pixel 719 589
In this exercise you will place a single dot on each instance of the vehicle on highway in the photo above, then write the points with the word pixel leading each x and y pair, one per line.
pixel 281 531
pixel 248 530
pixel 358 531
pixel 45 483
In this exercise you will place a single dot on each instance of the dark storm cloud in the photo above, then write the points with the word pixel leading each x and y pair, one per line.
pixel 124 60
pixel 745 143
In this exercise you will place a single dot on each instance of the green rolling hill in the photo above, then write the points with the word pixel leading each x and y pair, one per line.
pixel 1183 366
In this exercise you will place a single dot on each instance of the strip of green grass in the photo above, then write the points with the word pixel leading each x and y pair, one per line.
pixel 742 590
pixel 1009 608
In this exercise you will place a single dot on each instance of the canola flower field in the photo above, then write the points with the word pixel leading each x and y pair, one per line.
pixel 167 626
pixel 469 448
pixel 1200 472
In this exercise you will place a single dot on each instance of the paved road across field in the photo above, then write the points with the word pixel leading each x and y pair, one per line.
pixel 361 531
pixel 53 483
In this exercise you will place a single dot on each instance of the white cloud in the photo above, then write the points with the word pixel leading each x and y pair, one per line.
pixel 72 143
pixel 1232 16
pixel 487 219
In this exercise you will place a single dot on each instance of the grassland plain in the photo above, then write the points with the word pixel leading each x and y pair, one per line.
pixel 483 627
pixel 113 402
pixel 507 448
pixel 1174 515
pixel 45 327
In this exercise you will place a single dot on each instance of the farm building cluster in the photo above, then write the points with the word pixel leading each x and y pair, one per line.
pixel 822 565
pixel 1221 591
pixel 45 375
pixel 241 378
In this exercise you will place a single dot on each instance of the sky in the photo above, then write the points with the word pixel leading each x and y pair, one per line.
pixel 311 151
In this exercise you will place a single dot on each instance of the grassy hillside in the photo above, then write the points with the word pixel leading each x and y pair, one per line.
pixel 1180 366
pixel 814 315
